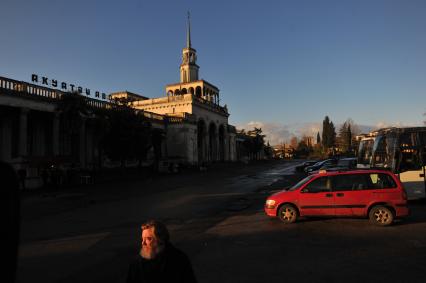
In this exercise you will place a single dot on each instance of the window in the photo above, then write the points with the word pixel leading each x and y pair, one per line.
pixel 301 183
pixel 322 184
pixel 380 151
pixel 409 150
pixel 381 181
pixel 350 182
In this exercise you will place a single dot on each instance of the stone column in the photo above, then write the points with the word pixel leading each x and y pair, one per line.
pixel 206 147
pixel 233 146
pixel 83 144
pixel 225 145
pixel 55 134
pixel 23 132
pixel 217 151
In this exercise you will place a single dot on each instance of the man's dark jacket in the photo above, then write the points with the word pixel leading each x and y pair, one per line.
pixel 171 265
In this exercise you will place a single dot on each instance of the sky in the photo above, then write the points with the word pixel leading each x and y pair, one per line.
pixel 283 65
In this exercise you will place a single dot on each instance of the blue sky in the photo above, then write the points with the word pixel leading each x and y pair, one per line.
pixel 275 62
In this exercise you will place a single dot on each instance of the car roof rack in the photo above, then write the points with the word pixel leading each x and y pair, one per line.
pixel 337 170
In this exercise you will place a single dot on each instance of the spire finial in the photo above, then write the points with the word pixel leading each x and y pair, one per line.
pixel 188 35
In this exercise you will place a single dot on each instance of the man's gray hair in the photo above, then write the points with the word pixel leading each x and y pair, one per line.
pixel 160 230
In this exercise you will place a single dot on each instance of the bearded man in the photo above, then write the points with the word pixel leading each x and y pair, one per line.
pixel 158 259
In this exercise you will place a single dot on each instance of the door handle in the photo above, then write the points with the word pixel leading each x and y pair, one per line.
pixel 328 195
pixel 340 194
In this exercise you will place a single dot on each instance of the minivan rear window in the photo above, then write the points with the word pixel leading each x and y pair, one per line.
pixel 381 181
pixel 356 182
pixel 350 182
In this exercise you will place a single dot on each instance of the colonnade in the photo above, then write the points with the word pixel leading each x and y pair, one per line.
pixel 204 93
pixel 27 133
pixel 212 143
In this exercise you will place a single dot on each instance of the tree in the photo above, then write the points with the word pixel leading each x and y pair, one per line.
pixel 269 151
pixel 253 143
pixel 345 137
pixel 328 133
pixel 332 135
pixel 257 142
pixel 73 110
pixel 302 150
pixel 293 142
pixel 128 134
pixel 318 138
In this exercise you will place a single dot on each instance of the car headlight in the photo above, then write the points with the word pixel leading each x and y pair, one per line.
pixel 270 203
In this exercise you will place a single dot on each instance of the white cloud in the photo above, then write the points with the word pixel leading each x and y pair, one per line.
pixel 277 133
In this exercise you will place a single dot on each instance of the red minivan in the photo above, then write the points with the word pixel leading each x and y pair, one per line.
pixel 376 194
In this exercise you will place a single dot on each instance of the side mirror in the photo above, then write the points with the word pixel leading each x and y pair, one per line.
pixel 304 190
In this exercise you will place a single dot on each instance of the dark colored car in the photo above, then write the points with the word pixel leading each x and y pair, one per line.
pixel 305 164
pixel 318 165
pixel 376 194
pixel 342 164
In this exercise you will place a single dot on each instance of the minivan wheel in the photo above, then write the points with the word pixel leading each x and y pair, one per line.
pixel 287 213
pixel 381 215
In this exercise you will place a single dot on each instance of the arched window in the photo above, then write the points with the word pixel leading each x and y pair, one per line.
pixel 198 91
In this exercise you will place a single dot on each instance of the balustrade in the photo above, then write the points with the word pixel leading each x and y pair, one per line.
pixel 13 86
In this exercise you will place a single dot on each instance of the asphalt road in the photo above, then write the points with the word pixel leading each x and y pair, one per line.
pixel 217 218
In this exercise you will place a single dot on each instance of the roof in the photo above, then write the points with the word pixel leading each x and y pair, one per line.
pixel 351 171
pixel 204 81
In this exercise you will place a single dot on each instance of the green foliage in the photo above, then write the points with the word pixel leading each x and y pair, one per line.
pixel 328 133
pixel 253 141
pixel 73 109
pixel 345 137
pixel 269 151
pixel 128 133
pixel 302 150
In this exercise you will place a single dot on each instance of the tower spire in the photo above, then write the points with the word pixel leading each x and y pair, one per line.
pixel 188 34
pixel 189 67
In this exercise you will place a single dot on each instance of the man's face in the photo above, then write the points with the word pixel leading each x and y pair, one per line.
pixel 150 245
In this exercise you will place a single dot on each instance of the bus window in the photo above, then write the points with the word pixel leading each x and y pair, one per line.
pixel 410 159
pixel 365 151
pixel 379 152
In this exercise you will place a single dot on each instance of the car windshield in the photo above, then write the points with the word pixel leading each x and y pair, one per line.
pixel 320 163
pixel 301 183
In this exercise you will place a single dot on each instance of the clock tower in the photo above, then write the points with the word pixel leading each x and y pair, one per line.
pixel 189 68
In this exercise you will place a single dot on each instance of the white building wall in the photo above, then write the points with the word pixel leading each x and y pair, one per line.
pixel 181 142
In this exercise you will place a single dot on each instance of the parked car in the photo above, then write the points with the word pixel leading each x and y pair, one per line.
pixel 376 194
pixel 305 164
pixel 342 164
pixel 320 164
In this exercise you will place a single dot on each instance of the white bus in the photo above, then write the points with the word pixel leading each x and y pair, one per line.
pixel 401 150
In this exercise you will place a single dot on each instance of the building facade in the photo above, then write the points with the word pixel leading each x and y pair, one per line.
pixel 206 135
pixel 33 133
